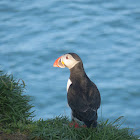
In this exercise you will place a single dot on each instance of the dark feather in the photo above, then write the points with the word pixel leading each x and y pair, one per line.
pixel 83 96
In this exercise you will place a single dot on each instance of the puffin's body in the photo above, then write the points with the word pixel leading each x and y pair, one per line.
pixel 82 94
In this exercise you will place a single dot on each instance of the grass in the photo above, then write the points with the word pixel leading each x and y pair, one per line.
pixel 16 120
pixel 14 106
pixel 58 129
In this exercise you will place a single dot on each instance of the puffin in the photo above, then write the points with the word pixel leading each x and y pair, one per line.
pixel 83 95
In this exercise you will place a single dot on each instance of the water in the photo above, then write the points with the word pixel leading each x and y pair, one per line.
pixel 106 36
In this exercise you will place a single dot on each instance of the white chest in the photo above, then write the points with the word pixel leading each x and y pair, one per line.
pixel 68 84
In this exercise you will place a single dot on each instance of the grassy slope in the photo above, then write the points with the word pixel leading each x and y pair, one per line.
pixel 16 120
pixel 58 129
pixel 14 106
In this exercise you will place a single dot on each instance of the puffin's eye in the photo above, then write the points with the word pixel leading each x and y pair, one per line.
pixel 67 57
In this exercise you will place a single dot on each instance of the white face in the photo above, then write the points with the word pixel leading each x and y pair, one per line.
pixel 68 61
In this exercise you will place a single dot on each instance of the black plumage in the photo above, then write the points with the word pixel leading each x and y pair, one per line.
pixel 83 95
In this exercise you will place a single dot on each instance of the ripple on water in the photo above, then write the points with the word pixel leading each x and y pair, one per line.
pixel 104 33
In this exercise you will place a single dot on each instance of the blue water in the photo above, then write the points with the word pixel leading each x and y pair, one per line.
pixel 105 34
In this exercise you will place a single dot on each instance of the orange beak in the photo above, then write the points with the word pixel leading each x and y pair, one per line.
pixel 56 62
pixel 59 63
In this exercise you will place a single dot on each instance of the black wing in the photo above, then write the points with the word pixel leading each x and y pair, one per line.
pixel 84 100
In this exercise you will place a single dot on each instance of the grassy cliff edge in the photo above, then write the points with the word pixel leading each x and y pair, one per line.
pixel 16 120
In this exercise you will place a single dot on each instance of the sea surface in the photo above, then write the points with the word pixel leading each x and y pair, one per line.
pixel 105 34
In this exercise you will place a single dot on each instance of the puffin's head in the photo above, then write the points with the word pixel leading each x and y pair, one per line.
pixel 68 60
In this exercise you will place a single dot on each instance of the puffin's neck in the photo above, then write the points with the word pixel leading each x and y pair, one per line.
pixel 77 72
